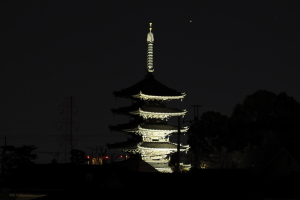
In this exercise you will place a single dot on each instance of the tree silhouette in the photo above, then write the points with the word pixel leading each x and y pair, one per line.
pixel 13 157
pixel 257 128
pixel 78 157
pixel 263 115
pixel 205 134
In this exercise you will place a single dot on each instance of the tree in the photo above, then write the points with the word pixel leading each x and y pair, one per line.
pixel 257 128
pixel 205 134
pixel 13 157
pixel 265 114
pixel 78 157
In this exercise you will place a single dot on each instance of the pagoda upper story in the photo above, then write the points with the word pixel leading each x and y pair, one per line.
pixel 149 89
pixel 149 116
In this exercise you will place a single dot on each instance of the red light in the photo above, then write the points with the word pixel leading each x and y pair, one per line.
pixel 88 157
pixel 106 157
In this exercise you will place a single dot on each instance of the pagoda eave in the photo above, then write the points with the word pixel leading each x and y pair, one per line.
pixel 149 111
pixel 129 145
pixel 147 127
pixel 143 96
pixel 144 131
pixel 159 115
pixel 183 129
pixel 162 146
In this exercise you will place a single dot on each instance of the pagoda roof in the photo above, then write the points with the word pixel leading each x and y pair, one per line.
pixel 125 110
pixel 161 145
pixel 120 127
pixel 123 145
pixel 146 108
pixel 134 145
pixel 159 126
pixel 148 86
pixel 135 125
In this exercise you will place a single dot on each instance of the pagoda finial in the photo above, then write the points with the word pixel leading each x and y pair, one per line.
pixel 150 41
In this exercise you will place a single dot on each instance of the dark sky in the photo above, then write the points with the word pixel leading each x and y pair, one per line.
pixel 51 50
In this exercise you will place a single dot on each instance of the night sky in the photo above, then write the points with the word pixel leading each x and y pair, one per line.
pixel 217 52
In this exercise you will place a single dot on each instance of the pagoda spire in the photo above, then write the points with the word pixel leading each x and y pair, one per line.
pixel 150 41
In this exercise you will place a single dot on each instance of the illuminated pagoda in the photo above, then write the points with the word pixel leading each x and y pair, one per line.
pixel 148 128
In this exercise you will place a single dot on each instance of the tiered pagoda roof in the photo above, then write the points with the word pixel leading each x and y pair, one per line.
pixel 149 88
pixel 128 145
pixel 161 145
pixel 150 110
pixel 135 126
pixel 135 109
pixel 134 145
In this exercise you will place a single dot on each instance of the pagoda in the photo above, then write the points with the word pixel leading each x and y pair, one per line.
pixel 148 129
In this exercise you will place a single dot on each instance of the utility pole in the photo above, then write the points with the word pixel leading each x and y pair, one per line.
pixel 3 158
pixel 196 112
pixel 196 118
pixel 71 126
pixel 178 146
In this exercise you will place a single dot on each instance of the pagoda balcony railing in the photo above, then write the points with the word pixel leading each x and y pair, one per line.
pixel 162 160
pixel 149 139
pixel 156 115
pixel 153 97
pixel 143 131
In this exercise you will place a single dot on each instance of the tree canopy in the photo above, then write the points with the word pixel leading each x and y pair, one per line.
pixel 16 156
pixel 265 113
pixel 262 120
pixel 78 157
pixel 205 133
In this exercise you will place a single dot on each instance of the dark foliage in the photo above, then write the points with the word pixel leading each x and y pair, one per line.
pixel 78 157
pixel 265 113
pixel 13 157
pixel 259 126
pixel 206 133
